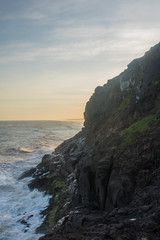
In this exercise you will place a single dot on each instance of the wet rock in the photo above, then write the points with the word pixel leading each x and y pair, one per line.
pixel 27 173
pixel 24 222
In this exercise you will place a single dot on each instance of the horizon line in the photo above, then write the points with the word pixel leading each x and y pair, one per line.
pixel 56 120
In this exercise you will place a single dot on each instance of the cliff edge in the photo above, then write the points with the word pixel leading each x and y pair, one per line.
pixel 105 181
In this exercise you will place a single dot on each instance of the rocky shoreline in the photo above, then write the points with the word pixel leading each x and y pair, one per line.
pixel 105 181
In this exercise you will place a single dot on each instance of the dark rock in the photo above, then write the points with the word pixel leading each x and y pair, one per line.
pixel 24 222
pixel 30 216
pixel 28 173
pixel 103 173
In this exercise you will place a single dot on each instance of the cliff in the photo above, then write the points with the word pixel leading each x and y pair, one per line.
pixel 105 181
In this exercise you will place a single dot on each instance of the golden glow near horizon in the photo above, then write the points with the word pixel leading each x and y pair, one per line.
pixel 40 110
pixel 53 54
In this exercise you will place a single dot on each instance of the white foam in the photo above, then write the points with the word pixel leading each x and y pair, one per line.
pixel 23 145
pixel 19 207
pixel 20 212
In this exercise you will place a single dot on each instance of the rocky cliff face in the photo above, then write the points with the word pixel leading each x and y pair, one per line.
pixel 134 90
pixel 105 181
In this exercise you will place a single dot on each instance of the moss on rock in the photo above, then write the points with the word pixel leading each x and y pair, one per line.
pixel 140 126
pixel 58 194
pixel 54 211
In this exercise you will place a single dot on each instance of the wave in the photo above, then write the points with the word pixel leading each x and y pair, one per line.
pixel 1 151
pixel 26 150
pixel 7 188
pixel 21 150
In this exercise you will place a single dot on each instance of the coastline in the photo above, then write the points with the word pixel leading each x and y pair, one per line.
pixel 22 146
pixel 105 180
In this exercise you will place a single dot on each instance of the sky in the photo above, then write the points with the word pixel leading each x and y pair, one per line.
pixel 54 53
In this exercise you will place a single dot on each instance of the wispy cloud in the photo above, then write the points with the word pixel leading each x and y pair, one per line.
pixel 62 52
pixel 81 30
pixel 82 43
pixel 42 10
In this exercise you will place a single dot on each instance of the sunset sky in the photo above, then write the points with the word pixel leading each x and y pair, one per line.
pixel 53 53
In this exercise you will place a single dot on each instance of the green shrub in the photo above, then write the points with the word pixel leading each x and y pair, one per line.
pixel 140 126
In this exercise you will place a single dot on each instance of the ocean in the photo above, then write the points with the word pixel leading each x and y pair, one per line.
pixel 22 146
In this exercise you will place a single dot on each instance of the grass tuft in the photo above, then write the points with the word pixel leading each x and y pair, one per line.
pixel 140 126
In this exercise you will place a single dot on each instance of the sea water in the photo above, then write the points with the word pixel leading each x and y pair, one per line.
pixel 22 146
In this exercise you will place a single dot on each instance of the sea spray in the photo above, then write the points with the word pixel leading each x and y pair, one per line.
pixel 23 145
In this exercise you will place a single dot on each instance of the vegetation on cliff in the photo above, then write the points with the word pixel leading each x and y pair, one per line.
pixel 136 128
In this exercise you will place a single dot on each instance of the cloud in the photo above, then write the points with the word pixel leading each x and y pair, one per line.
pixel 82 43
pixel 40 9
pixel 60 52
pixel 74 32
